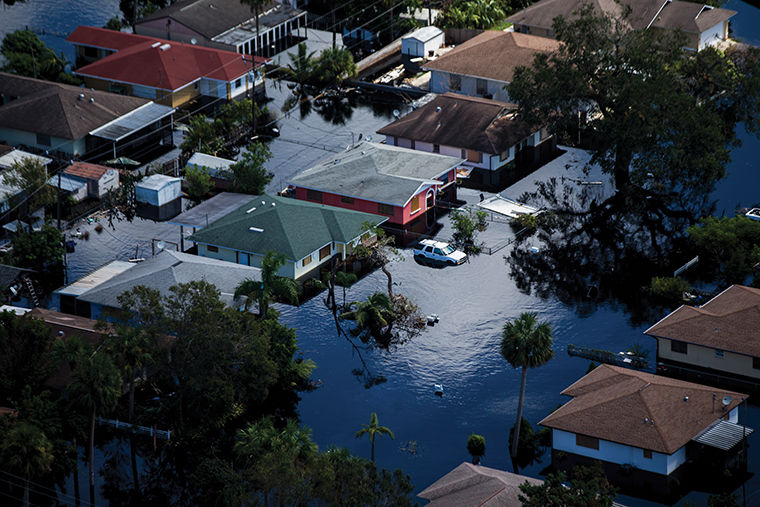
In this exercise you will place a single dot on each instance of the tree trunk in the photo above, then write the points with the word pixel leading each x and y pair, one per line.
pixel 390 281
pixel 26 492
pixel 131 399
pixel 258 49
pixel 133 456
pixel 134 16
pixel 623 159
pixel 516 436
pixel 372 450
pixel 91 452
pixel 77 501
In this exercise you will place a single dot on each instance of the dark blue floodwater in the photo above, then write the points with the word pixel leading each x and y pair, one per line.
pixel 473 301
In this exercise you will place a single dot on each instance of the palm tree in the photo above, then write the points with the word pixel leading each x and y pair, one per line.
pixel 345 280
pixel 372 429
pixel 131 349
pixel 525 344
pixel 27 450
pixel 255 5
pixel 95 388
pixel 301 66
pixel 271 287
pixel 373 317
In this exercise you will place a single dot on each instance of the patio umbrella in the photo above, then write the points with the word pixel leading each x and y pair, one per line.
pixel 122 161
pixel 181 127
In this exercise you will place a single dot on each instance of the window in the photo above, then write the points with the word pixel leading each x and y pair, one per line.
pixel 719 353
pixel 195 85
pixel 412 145
pixel 455 81
pixel 676 346
pixel 464 153
pixel 474 156
pixel 756 363
pixel 444 178
pixel 584 441
pixel 346 200
pixel 314 195
pixel 395 141
pixel 238 82
pixel 325 251
pixel 647 454
pixel 212 248
pixel 415 203
pixel 481 86
pixel 504 155
pixel 438 251
pixel 306 260
pixel 43 139
pixel 90 52
pixel 436 148
pixel 385 209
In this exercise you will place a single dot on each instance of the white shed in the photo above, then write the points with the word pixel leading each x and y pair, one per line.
pixel 159 197
pixel 422 42
pixel 217 167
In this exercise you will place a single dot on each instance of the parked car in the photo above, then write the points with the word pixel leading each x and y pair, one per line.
pixel 439 251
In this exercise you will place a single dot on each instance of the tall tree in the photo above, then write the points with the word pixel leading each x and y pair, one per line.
pixel 38 250
pixel 94 388
pixel 30 174
pixel 27 55
pixel 272 286
pixel 131 349
pixel 588 487
pixel 198 182
pixel 476 446
pixel 301 66
pixel 372 430
pixel 663 119
pixel 248 174
pixel 26 357
pixel 525 344
pixel 26 450
pixel 255 5
pixel 374 318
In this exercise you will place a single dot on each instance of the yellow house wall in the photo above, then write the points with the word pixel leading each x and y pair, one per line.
pixel 705 357
pixel 181 96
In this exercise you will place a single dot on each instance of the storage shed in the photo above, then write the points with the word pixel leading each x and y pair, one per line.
pixel 422 42
pixel 159 197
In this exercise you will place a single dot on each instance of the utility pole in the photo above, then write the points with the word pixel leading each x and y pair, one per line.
pixel 332 8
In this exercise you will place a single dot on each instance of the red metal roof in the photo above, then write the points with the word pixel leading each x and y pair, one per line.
pixel 158 63
pixel 86 170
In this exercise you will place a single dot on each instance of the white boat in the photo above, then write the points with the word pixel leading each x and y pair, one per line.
pixel 438 389
pixel 753 214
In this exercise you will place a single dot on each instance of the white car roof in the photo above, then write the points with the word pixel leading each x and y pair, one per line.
pixel 431 242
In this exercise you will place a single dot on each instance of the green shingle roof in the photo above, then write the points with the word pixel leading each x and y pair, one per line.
pixel 288 226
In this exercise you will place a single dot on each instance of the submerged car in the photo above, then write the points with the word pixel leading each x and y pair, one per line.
pixel 439 251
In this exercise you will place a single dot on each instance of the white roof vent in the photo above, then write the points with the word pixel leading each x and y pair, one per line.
pixel 251 210
pixel 273 205
pixel 81 96
pixel 164 47
pixel 255 229
pixel 155 44
pixel 438 109
pixel 92 100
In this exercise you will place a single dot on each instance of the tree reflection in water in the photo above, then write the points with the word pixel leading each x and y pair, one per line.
pixel 589 249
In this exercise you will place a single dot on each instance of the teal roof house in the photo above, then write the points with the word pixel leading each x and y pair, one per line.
pixel 307 234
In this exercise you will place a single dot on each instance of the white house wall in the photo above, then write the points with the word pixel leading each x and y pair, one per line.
pixel 489 161
pixel 13 137
pixel 712 36
pixel 613 452
pixel 109 181
pixel 439 83
pixel 146 92
pixel 708 357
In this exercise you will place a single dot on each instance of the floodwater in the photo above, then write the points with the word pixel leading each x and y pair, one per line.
pixel 473 301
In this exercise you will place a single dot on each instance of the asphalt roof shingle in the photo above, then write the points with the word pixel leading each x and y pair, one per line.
pixel 461 121
pixel 288 226
pixel 376 172
pixel 729 321
pixel 640 409
pixel 56 109
pixel 493 55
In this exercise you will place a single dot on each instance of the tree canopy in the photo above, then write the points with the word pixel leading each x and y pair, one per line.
pixel 27 55
pixel 663 119
pixel 248 173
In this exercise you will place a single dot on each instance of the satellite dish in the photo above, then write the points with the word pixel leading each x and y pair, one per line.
pixel 193 41
pixel 726 400
pixel 396 114
pixel 160 245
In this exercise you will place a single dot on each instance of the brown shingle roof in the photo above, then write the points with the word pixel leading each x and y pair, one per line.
pixel 473 485
pixel 690 17
pixel 86 170
pixel 542 14
pixel 640 409
pixel 493 55
pixel 55 109
pixel 729 321
pixel 457 120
